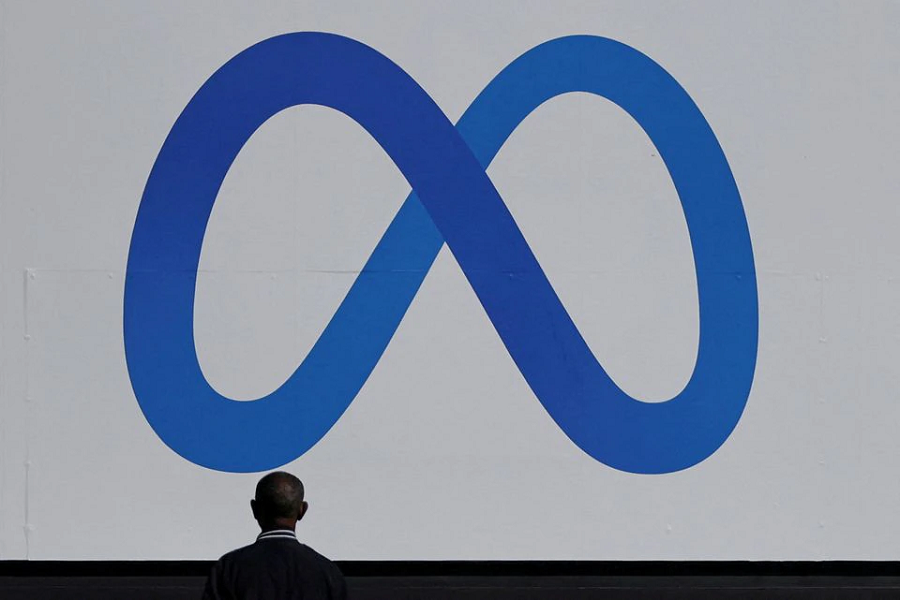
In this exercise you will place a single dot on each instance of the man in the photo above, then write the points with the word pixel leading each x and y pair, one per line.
pixel 277 566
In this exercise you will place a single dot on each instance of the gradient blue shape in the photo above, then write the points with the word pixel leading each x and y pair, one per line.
pixel 453 202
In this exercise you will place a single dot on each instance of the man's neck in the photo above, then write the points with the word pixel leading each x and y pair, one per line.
pixel 278 525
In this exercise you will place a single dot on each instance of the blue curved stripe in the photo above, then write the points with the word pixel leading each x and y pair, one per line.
pixel 454 201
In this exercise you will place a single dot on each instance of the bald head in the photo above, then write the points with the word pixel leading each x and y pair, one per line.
pixel 279 500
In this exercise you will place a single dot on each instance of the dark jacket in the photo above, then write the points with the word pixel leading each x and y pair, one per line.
pixel 276 567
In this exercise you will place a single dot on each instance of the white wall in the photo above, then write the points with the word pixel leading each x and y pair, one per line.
pixel 446 453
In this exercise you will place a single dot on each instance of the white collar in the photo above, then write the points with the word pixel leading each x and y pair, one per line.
pixel 277 534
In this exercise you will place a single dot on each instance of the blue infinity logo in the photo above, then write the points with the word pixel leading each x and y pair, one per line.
pixel 453 202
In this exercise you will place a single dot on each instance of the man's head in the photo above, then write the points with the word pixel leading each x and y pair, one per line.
pixel 279 501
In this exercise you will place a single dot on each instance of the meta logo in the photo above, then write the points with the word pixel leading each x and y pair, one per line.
pixel 453 202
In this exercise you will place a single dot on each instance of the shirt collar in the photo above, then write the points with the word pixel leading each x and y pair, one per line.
pixel 277 534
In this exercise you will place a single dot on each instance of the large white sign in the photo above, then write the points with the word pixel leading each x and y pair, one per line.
pixel 662 323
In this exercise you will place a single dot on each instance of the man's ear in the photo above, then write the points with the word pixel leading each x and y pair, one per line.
pixel 304 506
pixel 254 509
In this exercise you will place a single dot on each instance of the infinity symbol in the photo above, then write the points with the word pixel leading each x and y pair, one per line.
pixel 453 201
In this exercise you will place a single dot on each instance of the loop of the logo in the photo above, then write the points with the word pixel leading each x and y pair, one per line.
pixel 453 201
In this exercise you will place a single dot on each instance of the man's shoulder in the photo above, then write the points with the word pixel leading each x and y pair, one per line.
pixel 237 554
pixel 315 556
pixel 321 562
